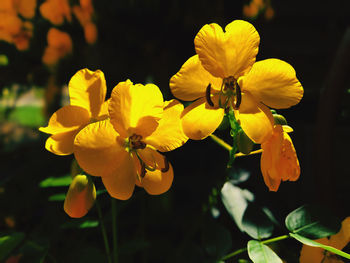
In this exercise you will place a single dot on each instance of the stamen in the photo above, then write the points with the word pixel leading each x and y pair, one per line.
pixel 146 167
pixel 166 165
pixel 143 169
pixel 238 97
pixel 207 95
pixel 136 143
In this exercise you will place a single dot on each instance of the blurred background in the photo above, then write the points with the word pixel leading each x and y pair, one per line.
pixel 44 43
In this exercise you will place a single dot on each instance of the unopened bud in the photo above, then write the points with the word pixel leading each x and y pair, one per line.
pixel 279 119
pixel 80 197
pixel 244 143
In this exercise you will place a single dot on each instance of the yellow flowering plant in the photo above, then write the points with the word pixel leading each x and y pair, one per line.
pixel 122 141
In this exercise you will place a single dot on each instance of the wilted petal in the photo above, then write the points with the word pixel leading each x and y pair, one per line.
pixel 279 160
pixel 120 183
pixel 135 109
pixel 342 238
pixel 97 149
pixel 273 82
pixel 169 135
pixel 80 197
pixel 255 118
pixel 289 164
pixel 199 119
pixel 191 82
pixel 310 254
pixel 227 54
pixel 88 89
pixel 67 118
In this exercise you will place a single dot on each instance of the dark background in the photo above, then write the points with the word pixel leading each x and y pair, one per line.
pixel 148 41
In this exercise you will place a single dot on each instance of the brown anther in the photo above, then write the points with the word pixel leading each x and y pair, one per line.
pixel 143 169
pixel 136 143
pixel 207 95
pixel 166 165
pixel 238 97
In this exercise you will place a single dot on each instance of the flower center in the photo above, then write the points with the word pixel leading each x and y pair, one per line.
pixel 135 142
pixel 230 94
pixel 231 89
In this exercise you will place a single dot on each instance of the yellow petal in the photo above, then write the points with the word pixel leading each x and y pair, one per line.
pixel 169 135
pixel 97 149
pixel 199 119
pixel 157 182
pixel 68 118
pixel 61 143
pixel 121 183
pixel 273 82
pixel 191 82
pixel 310 254
pixel 80 197
pixel 255 119
pixel 227 54
pixel 88 89
pixel 135 109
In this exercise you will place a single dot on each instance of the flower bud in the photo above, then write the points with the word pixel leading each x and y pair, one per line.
pixel 80 197
pixel 279 119
pixel 244 143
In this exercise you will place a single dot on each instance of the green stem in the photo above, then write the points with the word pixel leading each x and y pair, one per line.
pixel 267 241
pixel 104 233
pixel 114 230
pixel 221 142
pixel 228 147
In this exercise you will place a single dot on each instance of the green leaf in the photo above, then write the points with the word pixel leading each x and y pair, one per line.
pixel 9 243
pixel 260 253
pixel 31 116
pixel 57 197
pixel 78 223
pixel 256 223
pixel 312 243
pixel 235 201
pixel 56 181
pixel 312 222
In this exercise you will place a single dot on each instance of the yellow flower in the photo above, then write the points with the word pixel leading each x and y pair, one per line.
pixel 59 45
pixel 84 14
pixel 87 91
pixel 318 255
pixel 279 160
pixel 80 197
pixel 124 149
pixel 224 74
pixel 56 11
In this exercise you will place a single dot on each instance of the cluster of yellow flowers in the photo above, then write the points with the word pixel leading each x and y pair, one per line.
pixel 16 25
pixel 256 7
pixel 59 42
pixel 120 139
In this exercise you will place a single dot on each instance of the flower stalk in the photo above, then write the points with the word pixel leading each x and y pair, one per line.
pixel 268 241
